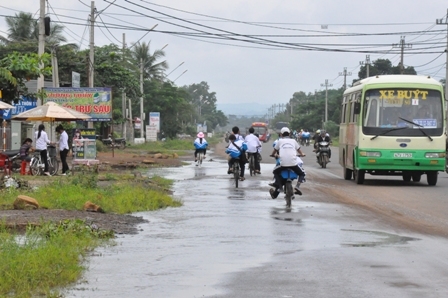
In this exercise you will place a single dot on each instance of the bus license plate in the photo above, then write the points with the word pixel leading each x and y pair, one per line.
pixel 401 155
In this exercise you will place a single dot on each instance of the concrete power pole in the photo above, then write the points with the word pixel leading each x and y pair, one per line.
pixel 442 22
pixel 123 95
pixel 402 45
pixel 141 99
pixel 367 63
pixel 41 48
pixel 54 64
pixel 92 44
pixel 345 74
pixel 326 85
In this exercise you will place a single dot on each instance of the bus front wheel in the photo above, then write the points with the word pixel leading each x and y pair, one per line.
pixel 347 174
pixel 432 177
pixel 359 176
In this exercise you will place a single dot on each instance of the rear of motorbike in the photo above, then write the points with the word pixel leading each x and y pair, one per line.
pixel 288 177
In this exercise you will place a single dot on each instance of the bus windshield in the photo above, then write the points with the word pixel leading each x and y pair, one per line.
pixel 386 108
pixel 260 130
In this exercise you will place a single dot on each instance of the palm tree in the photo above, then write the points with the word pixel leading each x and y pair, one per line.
pixel 20 27
pixel 151 68
pixel 23 27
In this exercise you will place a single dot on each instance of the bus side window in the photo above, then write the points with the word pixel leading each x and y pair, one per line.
pixel 353 117
pixel 344 110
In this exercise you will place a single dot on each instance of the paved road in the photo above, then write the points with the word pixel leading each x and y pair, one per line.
pixel 386 238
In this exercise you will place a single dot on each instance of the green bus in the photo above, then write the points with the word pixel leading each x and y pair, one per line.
pixel 393 125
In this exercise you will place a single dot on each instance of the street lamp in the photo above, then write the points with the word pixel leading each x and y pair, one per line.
pixel 180 75
pixel 174 69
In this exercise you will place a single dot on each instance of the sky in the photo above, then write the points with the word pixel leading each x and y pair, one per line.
pixel 261 51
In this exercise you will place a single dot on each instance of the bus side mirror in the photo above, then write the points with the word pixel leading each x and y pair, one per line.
pixel 357 108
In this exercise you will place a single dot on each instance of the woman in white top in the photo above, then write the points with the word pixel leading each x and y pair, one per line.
pixel 63 148
pixel 41 145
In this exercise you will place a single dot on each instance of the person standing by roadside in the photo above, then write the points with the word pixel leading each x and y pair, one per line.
pixel 41 145
pixel 63 148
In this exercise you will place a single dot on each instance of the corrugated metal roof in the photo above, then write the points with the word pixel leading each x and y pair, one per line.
pixel 32 85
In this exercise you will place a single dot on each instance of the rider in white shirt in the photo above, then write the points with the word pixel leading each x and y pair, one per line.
pixel 236 132
pixel 287 149
pixel 253 144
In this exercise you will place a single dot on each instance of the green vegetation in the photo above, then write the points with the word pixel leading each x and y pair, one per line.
pixel 50 256
pixel 173 144
pixel 46 257
pixel 120 197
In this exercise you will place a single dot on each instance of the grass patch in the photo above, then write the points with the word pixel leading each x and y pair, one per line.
pixel 121 197
pixel 169 145
pixel 46 258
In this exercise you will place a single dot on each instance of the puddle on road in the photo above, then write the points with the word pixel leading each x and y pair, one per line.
pixel 381 239
pixel 288 214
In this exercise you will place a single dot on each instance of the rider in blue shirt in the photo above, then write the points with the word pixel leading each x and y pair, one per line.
pixel 234 150
pixel 200 144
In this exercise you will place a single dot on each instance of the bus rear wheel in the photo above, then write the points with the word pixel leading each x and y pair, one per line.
pixel 432 177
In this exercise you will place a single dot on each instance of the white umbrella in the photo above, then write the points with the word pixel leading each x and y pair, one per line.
pixel 49 112
pixel 4 106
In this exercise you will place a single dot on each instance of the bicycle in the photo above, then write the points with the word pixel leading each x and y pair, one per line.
pixel 200 157
pixel 37 166
pixel 236 170
pixel 251 157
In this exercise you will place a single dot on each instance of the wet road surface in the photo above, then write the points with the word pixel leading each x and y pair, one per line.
pixel 227 242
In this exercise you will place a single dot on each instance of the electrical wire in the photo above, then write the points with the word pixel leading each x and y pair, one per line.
pixel 435 74
pixel 65 28
pixel 108 30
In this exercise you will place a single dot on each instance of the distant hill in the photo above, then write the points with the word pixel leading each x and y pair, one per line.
pixel 244 108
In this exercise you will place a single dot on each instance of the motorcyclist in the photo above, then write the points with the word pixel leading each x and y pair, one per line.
pixel 287 149
pixel 323 137
pixel 306 136
pixel 316 135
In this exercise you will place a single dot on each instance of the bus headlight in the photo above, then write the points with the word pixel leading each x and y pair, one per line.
pixel 435 154
pixel 370 153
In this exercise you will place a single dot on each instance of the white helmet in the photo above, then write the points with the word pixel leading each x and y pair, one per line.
pixel 285 129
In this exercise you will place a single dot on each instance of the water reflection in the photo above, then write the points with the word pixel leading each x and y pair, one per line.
pixel 237 194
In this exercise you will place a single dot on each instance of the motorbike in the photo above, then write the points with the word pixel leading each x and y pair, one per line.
pixel 288 176
pixel 14 161
pixel 119 143
pixel 323 154
pixel 307 142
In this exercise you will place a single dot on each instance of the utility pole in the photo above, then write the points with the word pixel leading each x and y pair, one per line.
pixel 402 45
pixel 367 63
pixel 41 48
pixel 123 95
pixel 326 85
pixel 442 22
pixel 345 74
pixel 141 98
pixel 55 69
pixel 92 44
